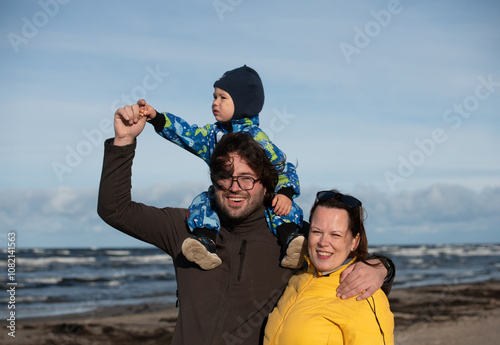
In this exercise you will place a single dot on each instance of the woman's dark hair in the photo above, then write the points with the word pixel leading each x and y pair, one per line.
pixel 252 153
pixel 356 219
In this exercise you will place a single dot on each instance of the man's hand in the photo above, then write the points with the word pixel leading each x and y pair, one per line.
pixel 128 125
pixel 146 110
pixel 282 204
pixel 361 278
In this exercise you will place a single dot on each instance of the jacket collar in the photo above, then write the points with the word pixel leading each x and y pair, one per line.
pixel 253 221
pixel 311 269
pixel 236 124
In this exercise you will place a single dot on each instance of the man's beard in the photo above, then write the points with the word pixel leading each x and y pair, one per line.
pixel 237 214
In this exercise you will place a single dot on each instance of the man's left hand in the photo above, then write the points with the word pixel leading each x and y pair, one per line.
pixel 361 279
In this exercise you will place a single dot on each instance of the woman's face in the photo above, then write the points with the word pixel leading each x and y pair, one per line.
pixel 330 240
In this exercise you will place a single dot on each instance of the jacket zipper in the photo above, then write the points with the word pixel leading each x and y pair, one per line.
pixel 243 250
pixel 229 284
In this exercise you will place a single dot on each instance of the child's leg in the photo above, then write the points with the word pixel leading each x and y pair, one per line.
pixel 204 223
pixel 202 215
pixel 288 229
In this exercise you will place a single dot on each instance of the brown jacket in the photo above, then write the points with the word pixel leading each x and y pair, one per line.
pixel 226 305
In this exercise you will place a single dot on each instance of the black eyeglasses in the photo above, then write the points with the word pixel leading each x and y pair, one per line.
pixel 244 182
pixel 348 200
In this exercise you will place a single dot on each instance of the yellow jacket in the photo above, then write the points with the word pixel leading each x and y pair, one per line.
pixel 309 312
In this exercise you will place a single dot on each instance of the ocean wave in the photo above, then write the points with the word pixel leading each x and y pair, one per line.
pixel 27 299
pixel 146 259
pixel 37 262
pixel 90 280
pixel 117 252
pixel 44 280
pixel 114 283
pixel 465 250
pixel 56 280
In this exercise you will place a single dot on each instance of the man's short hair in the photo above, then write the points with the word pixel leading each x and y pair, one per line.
pixel 252 153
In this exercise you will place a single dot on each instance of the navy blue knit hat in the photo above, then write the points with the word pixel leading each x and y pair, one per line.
pixel 244 86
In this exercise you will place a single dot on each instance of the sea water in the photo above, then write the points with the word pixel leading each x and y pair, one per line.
pixel 61 281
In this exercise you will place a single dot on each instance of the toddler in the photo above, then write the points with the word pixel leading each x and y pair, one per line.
pixel 238 99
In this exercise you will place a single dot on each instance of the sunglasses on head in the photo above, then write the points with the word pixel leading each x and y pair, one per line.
pixel 348 200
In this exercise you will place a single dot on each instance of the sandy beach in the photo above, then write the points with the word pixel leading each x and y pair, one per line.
pixel 445 314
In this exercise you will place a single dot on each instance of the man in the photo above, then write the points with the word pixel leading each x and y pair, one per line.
pixel 229 304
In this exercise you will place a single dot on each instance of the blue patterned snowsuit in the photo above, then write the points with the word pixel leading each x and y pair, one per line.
pixel 201 141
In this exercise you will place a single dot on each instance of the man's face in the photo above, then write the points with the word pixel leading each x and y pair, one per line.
pixel 235 203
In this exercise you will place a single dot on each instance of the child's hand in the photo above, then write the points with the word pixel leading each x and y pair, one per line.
pixel 282 204
pixel 146 110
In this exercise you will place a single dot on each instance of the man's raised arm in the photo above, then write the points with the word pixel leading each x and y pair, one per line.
pixel 115 205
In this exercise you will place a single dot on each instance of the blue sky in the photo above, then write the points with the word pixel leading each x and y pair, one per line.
pixel 395 102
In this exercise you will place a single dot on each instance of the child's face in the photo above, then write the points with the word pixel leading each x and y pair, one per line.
pixel 222 106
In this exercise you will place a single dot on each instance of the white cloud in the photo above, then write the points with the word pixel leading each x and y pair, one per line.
pixel 67 217
pixel 443 213
pixel 353 121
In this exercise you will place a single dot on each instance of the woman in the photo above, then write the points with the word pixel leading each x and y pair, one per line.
pixel 309 312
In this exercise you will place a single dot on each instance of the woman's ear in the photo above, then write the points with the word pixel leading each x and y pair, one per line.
pixel 355 243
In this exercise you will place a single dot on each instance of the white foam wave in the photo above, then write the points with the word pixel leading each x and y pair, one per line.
pixel 113 283
pixel 418 261
pixel 37 262
pixel 449 250
pixel 28 299
pixel 160 258
pixel 44 280
pixel 117 252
